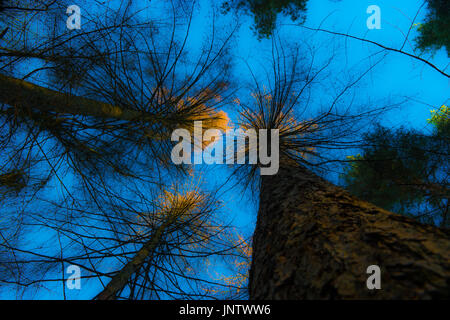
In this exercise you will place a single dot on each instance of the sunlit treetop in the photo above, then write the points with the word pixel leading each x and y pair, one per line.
pixel 273 114
pixel 441 119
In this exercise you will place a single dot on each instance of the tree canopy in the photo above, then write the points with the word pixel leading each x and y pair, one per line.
pixel 435 31
pixel 87 177
pixel 265 12
pixel 405 170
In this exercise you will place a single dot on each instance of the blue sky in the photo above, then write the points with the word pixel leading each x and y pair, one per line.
pixel 395 77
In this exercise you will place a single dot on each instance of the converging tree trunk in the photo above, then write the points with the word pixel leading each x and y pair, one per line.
pixel 123 276
pixel 26 95
pixel 314 240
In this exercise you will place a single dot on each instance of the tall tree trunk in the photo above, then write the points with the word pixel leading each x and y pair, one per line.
pixel 27 95
pixel 24 95
pixel 119 281
pixel 314 240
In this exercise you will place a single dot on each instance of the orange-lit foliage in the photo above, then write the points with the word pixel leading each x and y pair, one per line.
pixel 272 115
pixel 234 285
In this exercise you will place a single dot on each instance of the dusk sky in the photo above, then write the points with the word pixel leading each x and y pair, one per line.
pixel 392 78
pixel 396 78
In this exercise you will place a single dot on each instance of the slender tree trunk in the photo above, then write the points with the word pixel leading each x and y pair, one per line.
pixel 26 95
pixel 314 240
pixel 119 281
pixel 23 95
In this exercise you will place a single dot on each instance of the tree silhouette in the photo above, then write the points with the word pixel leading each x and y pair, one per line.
pixel 434 33
pixel 265 12
pixel 314 240
pixel 405 170
pixel 85 176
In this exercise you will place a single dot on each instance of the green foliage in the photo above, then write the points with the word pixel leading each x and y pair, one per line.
pixel 435 32
pixel 265 12
pixel 441 120
pixel 404 170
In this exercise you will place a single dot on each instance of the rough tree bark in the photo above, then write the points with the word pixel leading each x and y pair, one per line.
pixel 314 240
